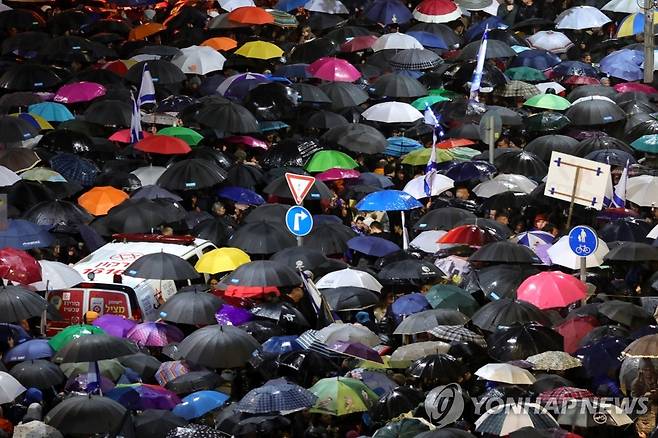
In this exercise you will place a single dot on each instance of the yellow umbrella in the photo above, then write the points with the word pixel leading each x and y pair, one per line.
pixel 259 50
pixel 39 122
pixel 221 260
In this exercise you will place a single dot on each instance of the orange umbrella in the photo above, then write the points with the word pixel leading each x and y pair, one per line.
pixel 145 30
pixel 221 43
pixel 99 200
pixel 250 15
pixel 454 143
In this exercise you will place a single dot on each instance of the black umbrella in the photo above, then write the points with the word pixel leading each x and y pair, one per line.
pixel 274 213
pixel 548 382
pixel 156 423
pixel 19 99
pixel 63 215
pixel 544 145
pixel 135 216
pixel 598 142
pixel 191 174
pixel 627 230
pixel 445 218
pixel 518 342
pixel 93 348
pixel 161 266
pixel 88 415
pixel 218 346
pixel 547 121
pixel 67 48
pixel 628 314
pixel 402 399
pixel 273 101
pixel 29 77
pixel 267 425
pixel 163 72
pixel 311 94
pixel 244 175
pixel 495 49
pixel 194 381
pixel 505 312
pixel 143 364
pixel 21 19
pixel 40 374
pixel 227 117
pixel 263 273
pixel 522 163
pixel 357 137
pixel 415 59
pixel 109 112
pixel 326 120
pixel 500 281
pixel 349 298
pixel 279 187
pixel 491 76
pixel 300 257
pixel 284 313
pixel 262 329
pixel 16 130
pixel 24 194
pixel 448 432
pixel 312 50
pixel 646 127
pixel 346 33
pixel 217 230
pixel 595 111
pixel 597 334
pixel 66 140
pixel 261 238
pixel 18 303
pixel 194 308
pixel 436 369
pixel 447 34
pixel 394 85
pixel 409 271
pixel 344 94
pixel 591 90
pixel 291 152
pixel 505 252
pixel 329 238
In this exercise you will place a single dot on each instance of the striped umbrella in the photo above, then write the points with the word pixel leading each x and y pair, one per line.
pixel 633 24
pixel 155 334
pixel 533 239
pixel 168 371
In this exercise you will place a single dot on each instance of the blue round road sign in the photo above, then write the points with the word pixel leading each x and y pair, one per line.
pixel 583 241
pixel 299 221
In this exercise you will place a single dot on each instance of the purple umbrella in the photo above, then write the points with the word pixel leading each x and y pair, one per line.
pixel 372 246
pixel 356 349
pixel 155 334
pixel 115 325
pixel 144 396
pixel 232 315
pixel 79 92
pixel 80 382
pixel 29 350
pixel 410 304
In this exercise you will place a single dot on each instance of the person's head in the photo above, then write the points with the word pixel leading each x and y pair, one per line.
pixel 462 193
pixel 213 283
pixel 502 217
pixel 359 223
pixel 540 221
pixel 586 58
pixel 551 228
pixel 218 209
pixel 306 32
pixel 376 227
pixel 527 2
pixel 605 81
pixel 90 316
pixel 167 231
pixel 296 294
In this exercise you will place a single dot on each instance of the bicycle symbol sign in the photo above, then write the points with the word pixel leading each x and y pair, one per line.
pixel 583 240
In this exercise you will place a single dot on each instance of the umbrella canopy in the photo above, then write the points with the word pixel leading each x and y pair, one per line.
pixel 86 415
pixel 161 266
pixel 276 396
pixel 505 373
pixel 581 17
pixel 437 11
pixel 505 419
pixel 392 112
pixel 210 346
pixel 551 289
pixel 18 303
pixel 505 252
pixel 506 312
pixel 518 342
pixel 333 395
pixel 94 347
pixel 428 319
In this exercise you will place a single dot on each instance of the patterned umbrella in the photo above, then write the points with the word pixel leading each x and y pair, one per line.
pixel 155 334
pixel 505 419
pixel 563 395
pixel 276 396
pixel 168 371
pixel 75 168
pixel 457 333
pixel 341 396
pixel 517 89
pixel 194 431
pixel 554 361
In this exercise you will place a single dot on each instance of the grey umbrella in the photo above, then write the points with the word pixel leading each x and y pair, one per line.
pixel 397 85
pixel 263 273
pixel 93 348
pixel 87 415
pixel 344 94
pixel 415 59
pixel 428 319
pixel 357 137
pixel 218 346
pixel 495 49
pixel 18 303
pixel 311 94
pixel 40 374
pixel 161 266
pixel 193 308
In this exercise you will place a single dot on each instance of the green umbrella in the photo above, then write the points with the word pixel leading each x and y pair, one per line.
pixel 61 339
pixel 110 368
pixel 443 92
pixel 324 160
pixel 527 74
pixel 464 153
pixel 548 101
pixel 419 157
pixel 647 143
pixel 406 428
pixel 423 102
pixel 448 296
pixel 342 396
pixel 189 136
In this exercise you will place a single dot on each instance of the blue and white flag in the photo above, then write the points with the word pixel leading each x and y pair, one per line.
pixel 619 192
pixel 135 123
pixel 146 89
pixel 432 164
pixel 479 67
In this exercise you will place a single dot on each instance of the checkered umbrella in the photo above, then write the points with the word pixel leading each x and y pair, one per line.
pixel 517 89
pixel 194 431
pixel 505 419
pixel 75 168
pixel 457 333
pixel 276 396
pixel 415 59
pixel 563 395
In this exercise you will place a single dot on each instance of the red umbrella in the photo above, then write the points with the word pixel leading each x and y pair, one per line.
pixel 468 235
pixel 437 11
pixel 247 141
pixel 251 291
pixel 123 136
pixel 163 145
pixel 334 69
pixel 563 395
pixel 357 44
pixel 581 80
pixel 552 289
pixel 634 86
pixel 574 329
pixel 336 174
pixel 18 266
pixel 454 143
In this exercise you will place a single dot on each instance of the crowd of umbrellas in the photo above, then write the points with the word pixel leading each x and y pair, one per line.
pixel 130 117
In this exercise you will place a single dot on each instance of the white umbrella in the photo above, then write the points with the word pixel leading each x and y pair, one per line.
pixel 555 42
pixel 438 184
pixel 4 7
pixel 545 86
pixel 339 332
pixel 8 177
pixel 492 9
pixel 149 175
pixel 623 6
pixel 561 254
pixel 504 183
pixel 56 275
pixel 392 112
pixel 643 192
pixel 229 5
pixel 505 373
pixel 581 17
pixel 199 60
pixel 326 6
pixel 418 350
pixel 35 429
pixel 10 388
pixel 396 41
pixel 426 241
pixel 349 277
pixel 145 57
pixel 653 234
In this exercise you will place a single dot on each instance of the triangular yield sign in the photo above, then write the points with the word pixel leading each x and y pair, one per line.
pixel 299 186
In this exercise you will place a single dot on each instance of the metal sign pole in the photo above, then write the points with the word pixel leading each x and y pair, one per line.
pixel 491 138
pixel 300 241
pixel 648 41
pixel 583 272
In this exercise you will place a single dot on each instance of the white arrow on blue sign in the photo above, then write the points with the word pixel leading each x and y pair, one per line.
pixel 299 221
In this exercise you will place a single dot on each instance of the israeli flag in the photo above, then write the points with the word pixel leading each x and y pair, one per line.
pixel 146 89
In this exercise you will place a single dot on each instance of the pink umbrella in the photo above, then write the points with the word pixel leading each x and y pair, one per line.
pixel 79 92
pixel 155 334
pixel 247 141
pixel 336 173
pixel 358 44
pixel 634 86
pixel 334 69
pixel 552 289
pixel 123 136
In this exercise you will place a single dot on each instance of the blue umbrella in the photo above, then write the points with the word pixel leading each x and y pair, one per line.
pixel 380 383
pixel 154 192
pixel 372 246
pixel 623 64
pixel 276 396
pixel 614 157
pixel 475 32
pixel 51 111
pixel 271 125
pixel 410 304
pixel 22 234
pixel 398 146
pixel 326 219
pixel 536 58
pixel 240 195
pixel 75 168
pixel 388 200
pixel 389 12
pixel 575 68
pixel 467 170
pixel 602 356
pixel 428 39
pixel 29 350
pixel 375 179
pixel 13 331
pixel 297 71
pixel 289 5
pixel 199 404
pixel 281 344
